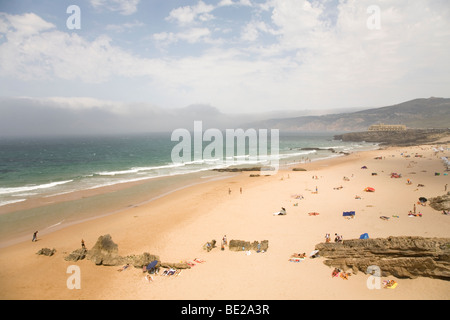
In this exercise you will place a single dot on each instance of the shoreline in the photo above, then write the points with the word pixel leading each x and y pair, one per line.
pixel 37 206
pixel 72 197
pixel 176 226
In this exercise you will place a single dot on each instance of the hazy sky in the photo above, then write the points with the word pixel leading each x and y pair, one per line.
pixel 235 55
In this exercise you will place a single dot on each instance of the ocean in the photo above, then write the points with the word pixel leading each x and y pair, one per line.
pixel 39 168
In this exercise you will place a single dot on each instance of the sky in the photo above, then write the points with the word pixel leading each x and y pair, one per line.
pixel 238 56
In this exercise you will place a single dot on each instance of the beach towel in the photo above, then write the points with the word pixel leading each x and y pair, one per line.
pixel 348 213
pixel 390 284
pixel 344 275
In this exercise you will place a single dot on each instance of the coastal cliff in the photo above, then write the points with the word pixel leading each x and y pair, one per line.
pixel 399 138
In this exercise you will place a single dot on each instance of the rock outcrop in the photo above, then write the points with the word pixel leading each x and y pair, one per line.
pixel 209 245
pixel 441 203
pixel 46 252
pixel 105 252
pixel 402 257
pixel 240 245
pixel 76 255
pixel 141 260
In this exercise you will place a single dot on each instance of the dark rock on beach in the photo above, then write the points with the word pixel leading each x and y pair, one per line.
pixel 139 261
pixel 402 257
pixel 76 255
pixel 240 245
pixel 105 252
pixel 441 203
pixel 46 252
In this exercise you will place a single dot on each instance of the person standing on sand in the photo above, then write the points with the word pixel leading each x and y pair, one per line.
pixel 82 244
pixel 34 236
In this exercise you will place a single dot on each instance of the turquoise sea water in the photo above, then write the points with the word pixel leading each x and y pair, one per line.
pixel 42 167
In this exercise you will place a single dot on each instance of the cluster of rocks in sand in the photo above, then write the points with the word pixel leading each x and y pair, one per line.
pixel 106 252
pixel 441 203
pixel 402 257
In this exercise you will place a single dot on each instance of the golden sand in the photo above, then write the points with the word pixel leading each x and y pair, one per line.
pixel 176 226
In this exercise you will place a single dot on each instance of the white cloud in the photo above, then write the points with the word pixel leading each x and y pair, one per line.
pixel 224 3
pixel 309 62
pixel 189 14
pixel 29 54
pixel 252 30
pixel 124 27
pixel 192 35
pixel 23 25
pixel 125 7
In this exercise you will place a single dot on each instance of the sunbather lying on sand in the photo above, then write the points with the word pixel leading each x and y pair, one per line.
pixel 299 255
pixel 389 284
pixel 344 275
pixel 335 272
pixel 149 278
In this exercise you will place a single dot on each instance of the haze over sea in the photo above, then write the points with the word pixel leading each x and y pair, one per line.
pixel 40 168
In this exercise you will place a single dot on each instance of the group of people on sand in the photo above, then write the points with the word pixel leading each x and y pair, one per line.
pixel 338 272
pixel 337 238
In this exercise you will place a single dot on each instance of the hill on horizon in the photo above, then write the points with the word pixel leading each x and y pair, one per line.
pixel 415 114
pixel 46 117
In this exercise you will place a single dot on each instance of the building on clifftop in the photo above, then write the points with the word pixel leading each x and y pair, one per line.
pixel 387 127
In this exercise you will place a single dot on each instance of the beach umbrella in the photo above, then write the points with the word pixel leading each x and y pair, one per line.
pixel 152 265
pixel 423 199
pixel 369 189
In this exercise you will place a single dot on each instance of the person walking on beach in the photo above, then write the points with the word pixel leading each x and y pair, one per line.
pixel 229 190
pixel 34 236
pixel 82 244
pixel 327 238
pixel 446 187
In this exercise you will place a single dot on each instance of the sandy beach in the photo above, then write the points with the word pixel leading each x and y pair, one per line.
pixel 175 227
